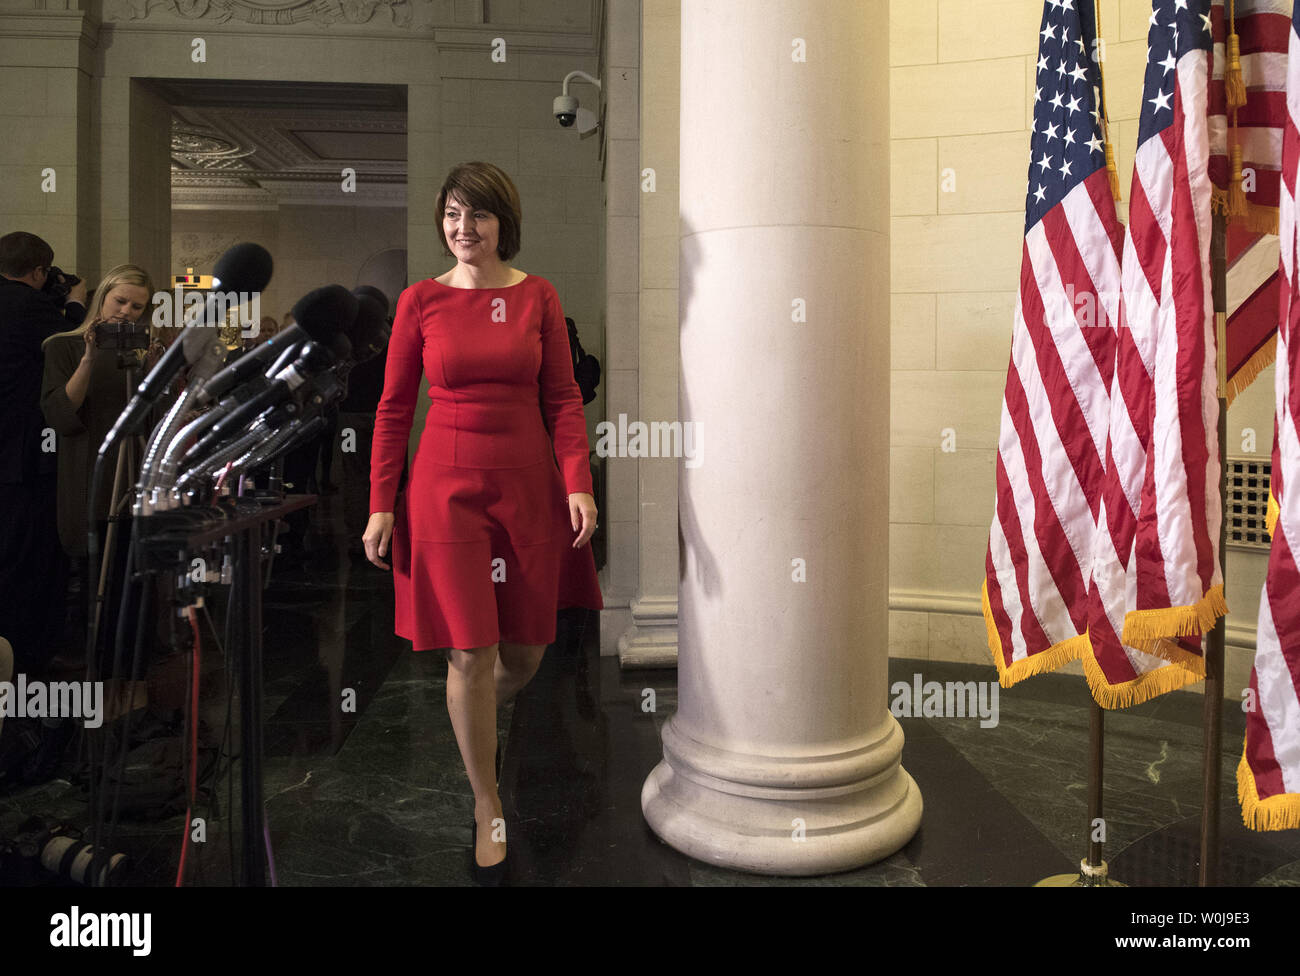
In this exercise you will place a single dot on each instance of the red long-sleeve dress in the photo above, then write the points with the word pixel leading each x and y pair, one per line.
pixel 482 544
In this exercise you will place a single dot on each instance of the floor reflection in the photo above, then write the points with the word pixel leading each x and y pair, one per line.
pixel 364 783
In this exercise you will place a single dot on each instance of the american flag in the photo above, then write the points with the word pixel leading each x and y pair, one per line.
pixel 1160 435
pixel 1177 583
pixel 1055 409
pixel 1263 28
pixel 1268 778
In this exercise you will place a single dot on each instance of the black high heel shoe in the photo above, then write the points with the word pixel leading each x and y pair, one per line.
pixel 487 877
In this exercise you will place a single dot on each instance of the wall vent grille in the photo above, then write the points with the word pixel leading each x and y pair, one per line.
pixel 1248 481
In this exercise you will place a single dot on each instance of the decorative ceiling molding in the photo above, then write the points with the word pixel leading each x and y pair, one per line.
pixel 456 24
pixel 268 178
pixel 328 195
pixel 217 198
pixel 289 195
pixel 199 148
pixel 477 40
pixel 297 96
pixel 323 13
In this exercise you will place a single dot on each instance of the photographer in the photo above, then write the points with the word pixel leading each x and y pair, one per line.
pixel 36 301
pixel 90 372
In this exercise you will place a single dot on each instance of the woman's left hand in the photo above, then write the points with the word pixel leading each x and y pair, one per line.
pixel 582 512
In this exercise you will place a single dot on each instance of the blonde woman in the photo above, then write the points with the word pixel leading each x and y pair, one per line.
pixel 82 393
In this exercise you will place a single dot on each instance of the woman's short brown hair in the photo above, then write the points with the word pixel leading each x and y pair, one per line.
pixel 483 186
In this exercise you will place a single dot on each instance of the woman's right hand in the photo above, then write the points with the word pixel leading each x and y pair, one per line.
pixel 91 340
pixel 378 534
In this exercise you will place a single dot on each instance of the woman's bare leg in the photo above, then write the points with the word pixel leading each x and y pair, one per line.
pixel 515 667
pixel 472 705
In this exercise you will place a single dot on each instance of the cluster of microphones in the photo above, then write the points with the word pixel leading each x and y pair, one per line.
pixel 232 419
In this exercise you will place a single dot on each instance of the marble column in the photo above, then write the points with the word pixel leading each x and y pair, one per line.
pixel 782 757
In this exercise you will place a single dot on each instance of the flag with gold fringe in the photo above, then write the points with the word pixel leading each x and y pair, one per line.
pixel 1157 442
pixel 1177 582
pixel 1055 406
pixel 1268 776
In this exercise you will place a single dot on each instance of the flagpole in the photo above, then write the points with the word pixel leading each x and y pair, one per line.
pixel 1215 640
pixel 1093 871
pixel 1096 751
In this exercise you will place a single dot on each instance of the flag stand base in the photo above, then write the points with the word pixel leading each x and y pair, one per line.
pixel 1089 876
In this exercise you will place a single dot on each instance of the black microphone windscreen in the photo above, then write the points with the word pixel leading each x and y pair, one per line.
pixel 374 293
pixel 325 312
pixel 243 268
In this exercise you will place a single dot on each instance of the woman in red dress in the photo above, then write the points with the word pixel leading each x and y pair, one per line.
pixel 489 536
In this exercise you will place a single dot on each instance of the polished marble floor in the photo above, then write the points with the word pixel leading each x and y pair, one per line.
pixel 378 796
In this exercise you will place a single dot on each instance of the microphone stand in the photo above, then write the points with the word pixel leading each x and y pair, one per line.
pixel 170 538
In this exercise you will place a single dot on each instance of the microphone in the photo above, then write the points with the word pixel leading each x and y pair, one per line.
pixel 374 293
pixel 319 315
pixel 256 383
pixel 245 391
pixel 312 360
pixel 242 268
pixel 297 431
pixel 269 430
pixel 324 314
pixel 281 361
pixel 250 362
pixel 261 430
pixel 327 313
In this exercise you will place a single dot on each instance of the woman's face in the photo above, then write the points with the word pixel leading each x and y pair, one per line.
pixel 124 303
pixel 471 233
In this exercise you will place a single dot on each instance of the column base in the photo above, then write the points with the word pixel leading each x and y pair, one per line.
pixel 791 816
pixel 651 641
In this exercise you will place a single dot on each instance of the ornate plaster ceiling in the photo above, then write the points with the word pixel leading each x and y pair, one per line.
pixel 261 145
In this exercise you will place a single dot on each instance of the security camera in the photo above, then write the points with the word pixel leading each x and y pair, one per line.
pixel 565 108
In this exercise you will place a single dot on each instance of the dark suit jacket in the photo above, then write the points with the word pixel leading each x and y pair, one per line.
pixel 27 316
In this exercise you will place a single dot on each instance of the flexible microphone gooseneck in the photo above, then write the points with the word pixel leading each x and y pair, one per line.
pixel 312 360
pixel 251 362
